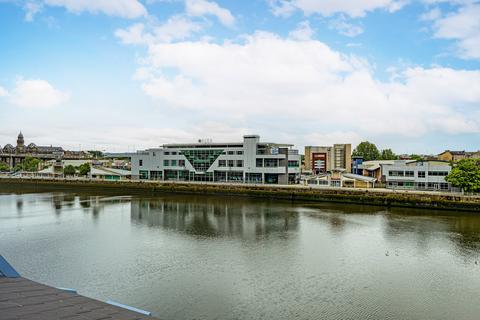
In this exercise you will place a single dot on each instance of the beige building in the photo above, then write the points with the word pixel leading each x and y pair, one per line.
pixel 321 159
pixel 449 155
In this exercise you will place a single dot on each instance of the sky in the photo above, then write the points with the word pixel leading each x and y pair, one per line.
pixel 123 75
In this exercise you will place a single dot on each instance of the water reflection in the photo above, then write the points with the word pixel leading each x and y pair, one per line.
pixel 224 217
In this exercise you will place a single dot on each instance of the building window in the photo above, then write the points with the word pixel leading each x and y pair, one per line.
pixel 444 186
pixel 173 163
pixel 421 174
pixel 222 163
pixel 167 153
pixel 230 163
pixel 409 174
pixel 438 173
pixel 395 173
pixel 201 160
pixel 140 162
pixel 240 163
pixel 293 164
pixel 230 152
pixel 240 152
pixel 143 175
pixel 174 153
pixel 181 163
pixel 271 163
pixel 421 185
pixel 154 154
pixel 165 163
pixel 259 162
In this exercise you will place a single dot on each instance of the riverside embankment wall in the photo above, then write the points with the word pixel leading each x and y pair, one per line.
pixel 430 200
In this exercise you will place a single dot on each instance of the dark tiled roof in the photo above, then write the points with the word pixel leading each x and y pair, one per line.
pixel 47 149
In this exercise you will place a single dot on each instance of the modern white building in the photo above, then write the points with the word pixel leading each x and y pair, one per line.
pixel 250 161
pixel 417 175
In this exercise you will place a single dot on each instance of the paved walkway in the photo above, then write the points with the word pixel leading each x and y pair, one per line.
pixel 24 299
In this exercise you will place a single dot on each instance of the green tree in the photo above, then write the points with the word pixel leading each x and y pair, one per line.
pixel 416 157
pixel 466 175
pixel 69 170
pixel 84 169
pixel 4 167
pixel 96 154
pixel 367 150
pixel 28 164
pixel 387 154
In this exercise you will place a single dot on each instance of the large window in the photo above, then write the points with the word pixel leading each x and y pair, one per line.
pixel 230 163
pixel 438 173
pixel 155 175
pixel 200 159
pixel 409 173
pixel 235 176
pixel 222 163
pixel 259 162
pixel 239 163
pixel 173 163
pixel 395 173
pixel 293 164
pixel 240 152
pixel 166 163
pixel 181 163
pixel 271 163
pixel 140 162
pixel 421 174
pixel 143 175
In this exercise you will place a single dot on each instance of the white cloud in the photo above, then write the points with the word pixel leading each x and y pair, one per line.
pixel 198 8
pixel 462 26
pixel 343 27
pixel 303 32
pixel 31 9
pixel 37 93
pixel 357 8
pixel 175 28
pixel 431 15
pixel 122 8
pixel 133 34
pixel 268 78
pixel 3 92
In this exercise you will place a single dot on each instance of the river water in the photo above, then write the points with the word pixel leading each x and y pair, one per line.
pixel 198 257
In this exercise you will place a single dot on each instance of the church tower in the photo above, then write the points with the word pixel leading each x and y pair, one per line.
pixel 20 143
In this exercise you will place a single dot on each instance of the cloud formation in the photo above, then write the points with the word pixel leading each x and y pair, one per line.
pixel 357 8
pixel 3 92
pixel 36 93
pixel 198 8
pixel 122 8
pixel 463 27
pixel 269 78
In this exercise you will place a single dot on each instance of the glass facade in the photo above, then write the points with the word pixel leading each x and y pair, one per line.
pixel 201 160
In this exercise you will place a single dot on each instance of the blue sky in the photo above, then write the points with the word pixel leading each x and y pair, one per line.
pixel 121 75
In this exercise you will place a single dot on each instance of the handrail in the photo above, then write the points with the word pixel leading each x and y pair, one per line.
pixel 7 270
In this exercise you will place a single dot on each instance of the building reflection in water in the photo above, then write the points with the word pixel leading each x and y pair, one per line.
pixel 215 217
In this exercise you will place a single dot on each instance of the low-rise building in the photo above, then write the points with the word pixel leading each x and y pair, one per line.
pixel 340 179
pixel 449 155
pixel 373 169
pixel 417 175
pixel 250 161
pixel 322 159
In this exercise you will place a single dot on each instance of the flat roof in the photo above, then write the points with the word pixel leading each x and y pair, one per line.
pixel 220 145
